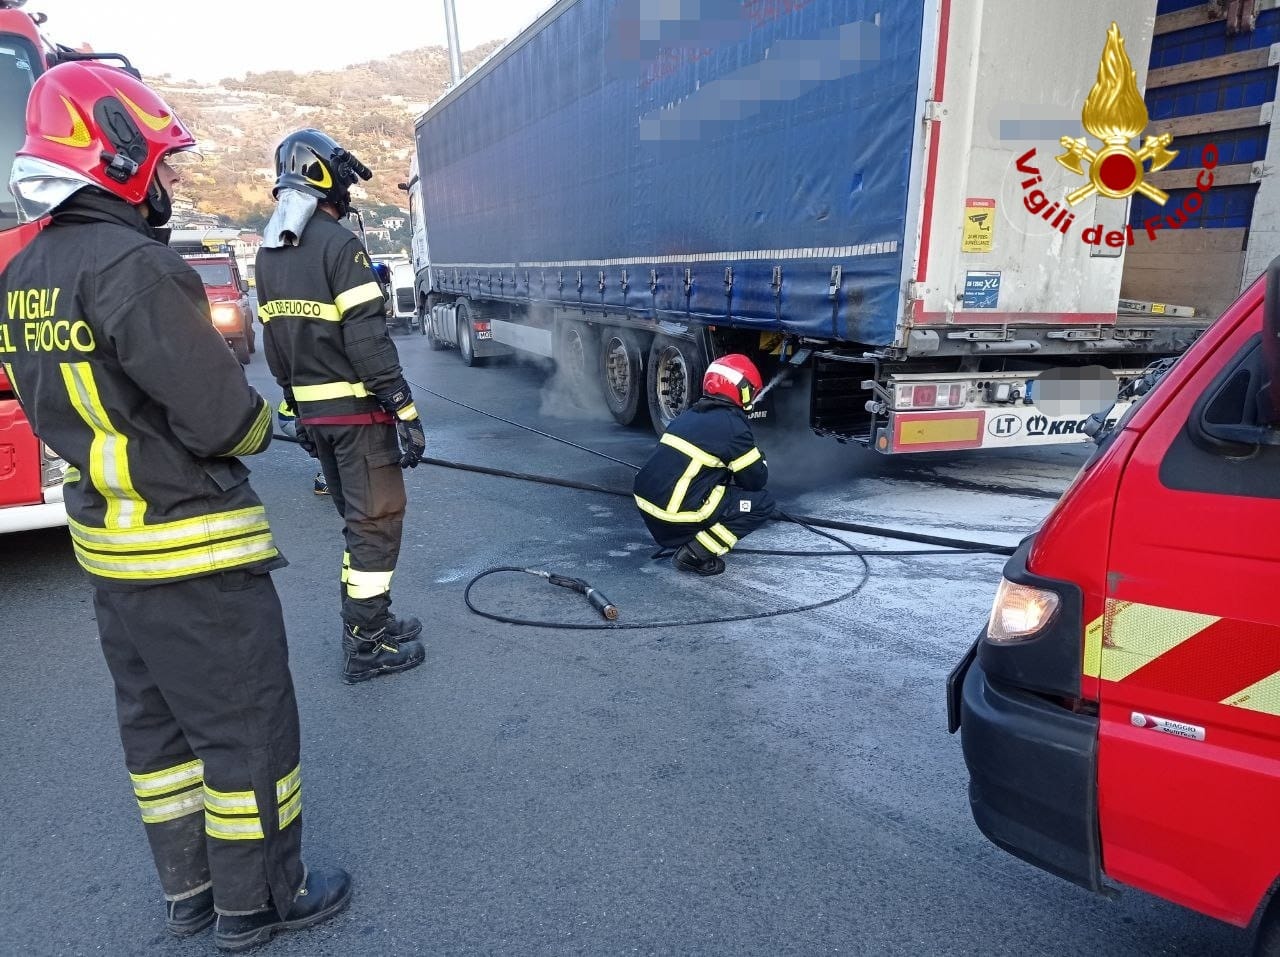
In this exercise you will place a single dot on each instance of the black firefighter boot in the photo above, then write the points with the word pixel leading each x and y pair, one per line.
pixel 368 653
pixel 694 557
pixel 189 915
pixel 404 629
pixel 325 891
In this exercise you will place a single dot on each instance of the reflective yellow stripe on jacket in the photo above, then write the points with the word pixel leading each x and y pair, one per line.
pixel 199 560
pixel 747 458
pixel 674 510
pixel 329 390
pixel 368 292
pixel 257 432
pixel 108 450
pixel 178 534
pixel 299 309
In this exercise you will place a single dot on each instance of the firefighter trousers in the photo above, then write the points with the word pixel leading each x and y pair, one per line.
pixel 209 725
pixel 361 463
pixel 740 514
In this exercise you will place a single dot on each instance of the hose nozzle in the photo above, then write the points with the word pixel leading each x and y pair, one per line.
pixel 602 604
pixel 598 601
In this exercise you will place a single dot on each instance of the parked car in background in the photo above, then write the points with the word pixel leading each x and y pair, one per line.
pixel 229 306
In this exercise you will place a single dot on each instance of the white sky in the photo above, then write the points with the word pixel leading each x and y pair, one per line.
pixel 211 39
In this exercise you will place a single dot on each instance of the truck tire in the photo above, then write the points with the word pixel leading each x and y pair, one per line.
pixel 429 330
pixel 466 337
pixel 674 380
pixel 426 321
pixel 240 346
pixel 251 336
pixel 622 362
pixel 576 345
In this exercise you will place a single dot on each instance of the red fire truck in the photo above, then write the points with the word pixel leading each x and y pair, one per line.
pixel 1120 712
pixel 31 474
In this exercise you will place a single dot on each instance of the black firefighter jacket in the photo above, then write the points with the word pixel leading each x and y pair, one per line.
pixel 703 449
pixel 325 324
pixel 107 339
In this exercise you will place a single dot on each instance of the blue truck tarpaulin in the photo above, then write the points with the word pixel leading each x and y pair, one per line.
pixel 748 167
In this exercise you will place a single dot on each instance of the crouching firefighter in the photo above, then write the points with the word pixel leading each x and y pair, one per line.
pixel 703 488
pixel 137 391
pixel 327 345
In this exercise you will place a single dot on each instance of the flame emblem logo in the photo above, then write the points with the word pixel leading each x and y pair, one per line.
pixel 1115 113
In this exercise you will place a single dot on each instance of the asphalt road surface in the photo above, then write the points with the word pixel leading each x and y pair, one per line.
pixel 773 787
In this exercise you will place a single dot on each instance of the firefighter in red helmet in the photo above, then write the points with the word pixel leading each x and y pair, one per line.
pixel 703 489
pixel 137 391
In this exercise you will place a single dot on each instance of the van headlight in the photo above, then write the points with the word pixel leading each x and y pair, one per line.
pixel 1020 612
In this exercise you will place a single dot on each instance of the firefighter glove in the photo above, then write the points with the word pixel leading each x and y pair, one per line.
pixel 399 402
pixel 413 441
pixel 305 441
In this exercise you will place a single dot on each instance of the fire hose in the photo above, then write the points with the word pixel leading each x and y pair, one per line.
pixel 942 545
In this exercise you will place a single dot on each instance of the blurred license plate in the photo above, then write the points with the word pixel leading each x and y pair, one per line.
pixel 487 334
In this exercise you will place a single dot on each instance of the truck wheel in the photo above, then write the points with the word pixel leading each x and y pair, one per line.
pixel 674 381
pixel 240 347
pixel 466 337
pixel 622 376
pixel 251 336
pixel 576 360
pixel 429 330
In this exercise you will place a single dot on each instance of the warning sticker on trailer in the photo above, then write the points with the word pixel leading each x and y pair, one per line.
pixel 979 225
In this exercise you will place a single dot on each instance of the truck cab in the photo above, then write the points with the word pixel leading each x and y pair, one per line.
pixel 1120 712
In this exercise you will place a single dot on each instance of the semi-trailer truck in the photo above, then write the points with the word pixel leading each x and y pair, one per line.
pixel 862 192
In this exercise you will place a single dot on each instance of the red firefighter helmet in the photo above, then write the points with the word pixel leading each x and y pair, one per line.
pixel 103 123
pixel 733 377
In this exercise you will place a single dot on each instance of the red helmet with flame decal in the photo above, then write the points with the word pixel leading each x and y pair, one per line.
pixel 106 125
pixel 733 377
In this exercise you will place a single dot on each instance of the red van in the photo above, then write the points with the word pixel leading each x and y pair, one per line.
pixel 229 307
pixel 1120 713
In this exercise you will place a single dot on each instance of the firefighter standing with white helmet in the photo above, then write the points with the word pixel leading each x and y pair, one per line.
pixel 121 371
pixel 703 488
pixel 326 342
